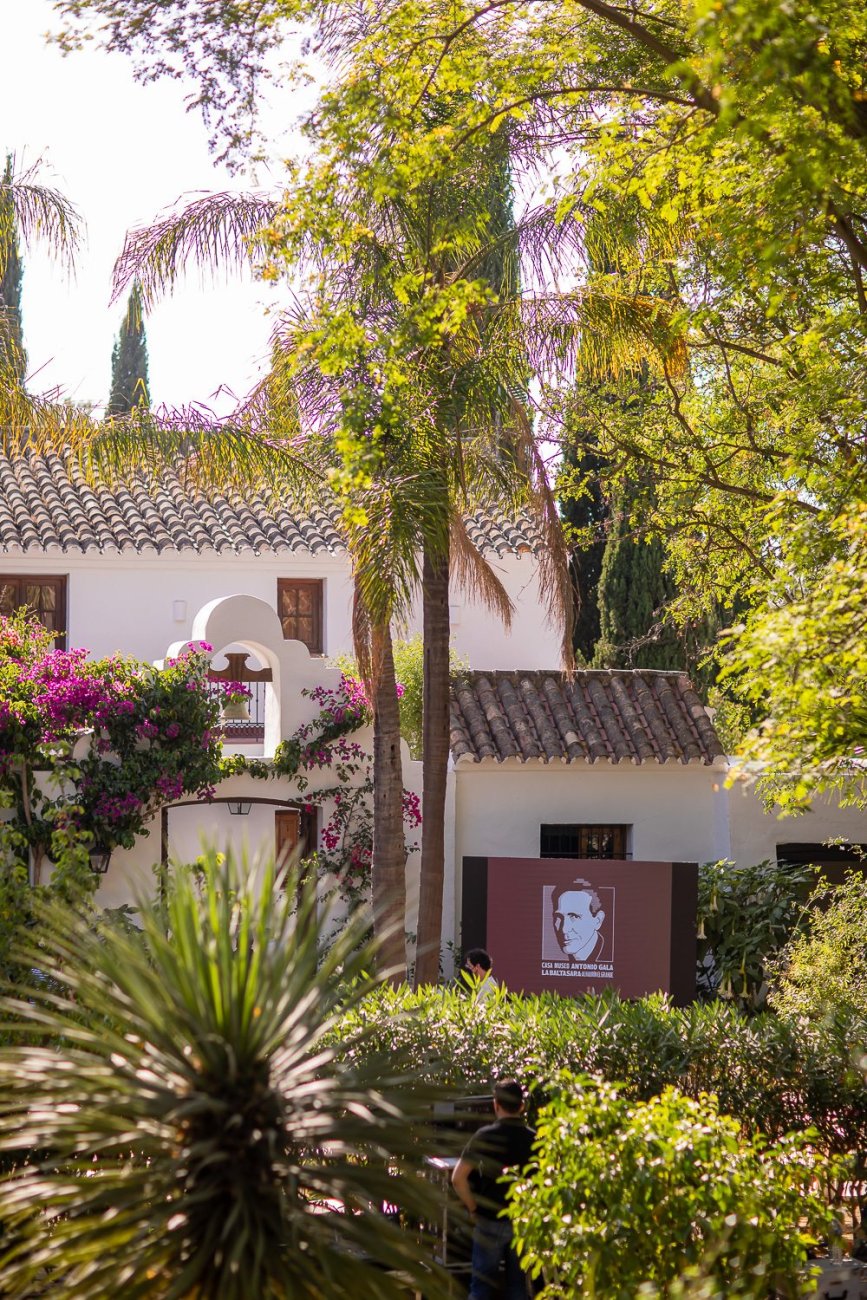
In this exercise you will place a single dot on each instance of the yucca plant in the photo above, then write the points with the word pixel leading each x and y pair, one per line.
pixel 177 1124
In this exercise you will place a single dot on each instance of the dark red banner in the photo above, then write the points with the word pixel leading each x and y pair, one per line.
pixel 576 926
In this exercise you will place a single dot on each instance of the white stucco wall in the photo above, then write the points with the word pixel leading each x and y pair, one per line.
pixel 756 832
pixel 129 603
pixel 191 827
pixel 677 813
pixel 499 808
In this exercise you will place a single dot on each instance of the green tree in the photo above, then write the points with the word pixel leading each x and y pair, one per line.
pixel 586 514
pixel 413 351
pixel 821 975
pixel 722 1212
pixel 738 135
pixel 129 360
pixel 633 596
pixel 14 358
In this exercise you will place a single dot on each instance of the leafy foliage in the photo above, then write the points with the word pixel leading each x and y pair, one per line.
pixel 89 750
pixel 767 1073
pixel 804 659
pixel 705 168
pixel 821 975
pixel 189 1130
pixel 745 917
pixel 409 670
pixel 685 1199
pixel 97 747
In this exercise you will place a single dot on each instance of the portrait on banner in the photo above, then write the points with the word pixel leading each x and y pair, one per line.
pixel 578 929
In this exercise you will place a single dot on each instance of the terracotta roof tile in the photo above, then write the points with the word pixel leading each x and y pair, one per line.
pixel 45 505
pixel 614 715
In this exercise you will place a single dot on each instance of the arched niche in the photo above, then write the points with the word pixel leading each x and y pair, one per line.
pixel 253 625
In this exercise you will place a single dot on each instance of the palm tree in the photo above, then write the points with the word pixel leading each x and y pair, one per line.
pixel 185 1118
pixel 435 416
pixel 404 372
pixel 30 211
pixel 407 458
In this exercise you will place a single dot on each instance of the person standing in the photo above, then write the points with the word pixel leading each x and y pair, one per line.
pixel 478 963
pixel 504 1145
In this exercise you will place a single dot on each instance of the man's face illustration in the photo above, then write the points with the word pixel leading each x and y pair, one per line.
pixel 575 924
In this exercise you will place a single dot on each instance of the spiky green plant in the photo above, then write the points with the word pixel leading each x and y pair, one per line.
pixel 177 1123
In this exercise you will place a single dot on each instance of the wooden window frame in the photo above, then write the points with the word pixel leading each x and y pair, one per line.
pixel 61 582
pixel 316 585
pixel 580 832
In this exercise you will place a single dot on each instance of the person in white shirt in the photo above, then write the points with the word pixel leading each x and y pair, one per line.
pixel 478 962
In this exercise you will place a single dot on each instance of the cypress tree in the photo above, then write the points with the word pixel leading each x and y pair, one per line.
pixel 129 361
pixel 587 514
pixel 633 592
pixel 13 359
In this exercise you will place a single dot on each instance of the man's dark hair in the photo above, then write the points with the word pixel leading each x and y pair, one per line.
pixel 479 957
pixel 577 887
pixel 509 1095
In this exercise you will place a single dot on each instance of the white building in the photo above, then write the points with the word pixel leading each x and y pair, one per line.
pixel 605 764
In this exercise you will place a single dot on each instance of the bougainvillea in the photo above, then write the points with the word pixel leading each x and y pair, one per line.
pixel 343 859
pixel 89 750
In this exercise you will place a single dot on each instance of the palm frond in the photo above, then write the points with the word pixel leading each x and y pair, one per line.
pixel 183 1118
pixel 40 423
pixel 602 332
pixel 215 231
pixel 555 580
pixel 205 453
pixel 35 211
pixel 474 575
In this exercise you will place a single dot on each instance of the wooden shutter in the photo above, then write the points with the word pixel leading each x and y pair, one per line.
pixel 299 605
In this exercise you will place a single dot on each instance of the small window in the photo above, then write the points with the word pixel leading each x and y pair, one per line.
pixel 299 605
pixel 836 861
pixel 568 840
pixel 43 596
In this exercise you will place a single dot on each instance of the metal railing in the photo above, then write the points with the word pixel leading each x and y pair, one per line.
pixel 251 730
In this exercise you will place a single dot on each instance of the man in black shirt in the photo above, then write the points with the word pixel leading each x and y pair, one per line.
pixel 498 1147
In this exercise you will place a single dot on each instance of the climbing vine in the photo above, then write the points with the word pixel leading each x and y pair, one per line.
pixel 342 859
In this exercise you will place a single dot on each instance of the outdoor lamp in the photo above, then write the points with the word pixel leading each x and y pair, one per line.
pixel 239 807
pixel 100 857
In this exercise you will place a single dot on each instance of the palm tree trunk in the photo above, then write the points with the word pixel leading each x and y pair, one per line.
pixel 388 870
pixel 435 760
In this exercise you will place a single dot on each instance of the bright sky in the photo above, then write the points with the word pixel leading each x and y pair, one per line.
pixel 122 153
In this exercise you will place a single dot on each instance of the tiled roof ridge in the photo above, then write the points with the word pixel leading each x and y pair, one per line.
pixel 47 504
pixel 616 715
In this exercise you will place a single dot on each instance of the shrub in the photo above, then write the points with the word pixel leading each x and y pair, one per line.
pixel 628 1198
pixel 768 1075
pixel 745 916
pixel 194 1125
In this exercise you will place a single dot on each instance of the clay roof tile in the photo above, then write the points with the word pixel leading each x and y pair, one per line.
pixel 618 715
